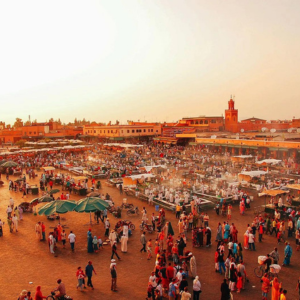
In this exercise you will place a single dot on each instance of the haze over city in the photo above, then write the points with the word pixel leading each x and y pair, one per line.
pixel 148 60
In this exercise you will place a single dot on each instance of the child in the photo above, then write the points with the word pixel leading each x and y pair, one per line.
pixel 95 244
pixel 63 238
pixel 239 283
pixel 149 249
pixel 100 242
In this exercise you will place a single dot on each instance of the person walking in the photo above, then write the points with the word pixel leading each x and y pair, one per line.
pixel 251 241
pixel 143 242
pixel 196 288
pixel 107 226
pixel 113 273
pixel 265 286
pixel 242 270
pixel 114 251
pixel 288 251
pixel 80 278
pixel 72 239
pixel 225 291
pixel 89 269
pixel 15 221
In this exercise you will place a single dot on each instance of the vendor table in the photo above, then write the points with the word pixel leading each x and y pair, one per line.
pixel 34 189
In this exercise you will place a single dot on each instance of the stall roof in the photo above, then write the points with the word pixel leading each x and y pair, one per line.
pixel 254 173
pixel 269 161
pixel 133 177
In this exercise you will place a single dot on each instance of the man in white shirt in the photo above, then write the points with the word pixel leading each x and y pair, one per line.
pixel 11 203
pixel 8 211
pixel 72 239
pixel 251 241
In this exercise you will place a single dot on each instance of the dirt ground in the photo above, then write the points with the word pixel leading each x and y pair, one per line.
pixel 27 262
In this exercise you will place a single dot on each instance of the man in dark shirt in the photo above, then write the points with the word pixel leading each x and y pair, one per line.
pixel 89 269
pixel 268 262
pixel 225 291
pixel 113 273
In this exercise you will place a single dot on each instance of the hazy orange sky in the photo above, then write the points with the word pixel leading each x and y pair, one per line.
pixel 150 60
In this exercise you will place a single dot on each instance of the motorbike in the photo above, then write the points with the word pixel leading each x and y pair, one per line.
pixel 125 222
pixel 146 227
pixel 52 297
pixel 127 206
pixel 133 211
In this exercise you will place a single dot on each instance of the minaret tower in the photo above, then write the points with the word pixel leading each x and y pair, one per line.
pixel 231 117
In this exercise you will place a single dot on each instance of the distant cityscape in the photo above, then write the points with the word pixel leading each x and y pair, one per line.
pixel 206 130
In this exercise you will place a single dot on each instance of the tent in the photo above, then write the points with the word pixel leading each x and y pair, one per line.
pixel 248 175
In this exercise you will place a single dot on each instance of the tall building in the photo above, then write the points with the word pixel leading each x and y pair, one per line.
pixel 231 117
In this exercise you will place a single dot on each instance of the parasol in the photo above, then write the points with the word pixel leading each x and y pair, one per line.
pixel 9 164
pixel 54 191
pixel 57 206
pixel 90 204
pixel 45 198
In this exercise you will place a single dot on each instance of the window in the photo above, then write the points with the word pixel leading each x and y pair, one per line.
pixel 127 131
pixel 205 122
pixel 192 122
pixel 156 130
pixel 122 131
pixel 35 132
pixel 100 131
pixel 197 122
pixel 132 131
pixel 103 131
pixel 29 132
pixel 107 131
pixel 148 130
pixel 151 130
pixel 94 131
pixel 144 130
pixel 213 121
pixel 201 122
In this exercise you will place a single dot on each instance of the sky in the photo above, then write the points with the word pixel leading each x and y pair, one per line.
pixel 157 60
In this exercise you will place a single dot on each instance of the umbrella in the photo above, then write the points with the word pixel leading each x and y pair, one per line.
pixel 46 198
pixel 170 229
pixel 54 191
pixel 94 194
pixel 34 202
pixel 57 206
pixel 2 162
pixel 90 204
pixel 9 164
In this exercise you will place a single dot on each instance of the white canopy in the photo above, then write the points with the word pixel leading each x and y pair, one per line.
pixel 269 161
pixel 133 177
pixel 149 168
pixel 244 156
pixel 253 173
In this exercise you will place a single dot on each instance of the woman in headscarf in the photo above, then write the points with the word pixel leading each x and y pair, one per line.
pixel 219 232
pixel 193 265
pixel 287 253
pixel 275 289
pixel 90 248
pixel 124 240
pixel 181 246
pixel 227 231
pixel 59 230
pixel 38 294
pixel 208 236
pixel 234 234
pixel 242 207
pixel 246 240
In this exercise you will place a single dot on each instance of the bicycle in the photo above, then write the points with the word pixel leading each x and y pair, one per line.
pixel 260 271
pixel 52 297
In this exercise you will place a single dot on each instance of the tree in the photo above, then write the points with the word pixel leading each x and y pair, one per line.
pixel 18 123
pixel 21 143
